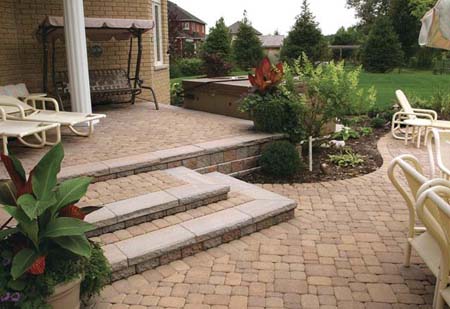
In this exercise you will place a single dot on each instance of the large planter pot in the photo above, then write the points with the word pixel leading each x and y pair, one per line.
pixel 66 296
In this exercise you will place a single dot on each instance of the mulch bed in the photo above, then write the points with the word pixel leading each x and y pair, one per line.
pixel 365 146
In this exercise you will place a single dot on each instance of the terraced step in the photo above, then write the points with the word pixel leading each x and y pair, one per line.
pixel 247 210
pixel 168 194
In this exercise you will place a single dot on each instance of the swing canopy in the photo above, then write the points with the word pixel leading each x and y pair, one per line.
pixel 98 29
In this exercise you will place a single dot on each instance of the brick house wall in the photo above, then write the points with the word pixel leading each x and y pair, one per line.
pixel 21 58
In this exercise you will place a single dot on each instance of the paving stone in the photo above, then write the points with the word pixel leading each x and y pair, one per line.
pixel 381 293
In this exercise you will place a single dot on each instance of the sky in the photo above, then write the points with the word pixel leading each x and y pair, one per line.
pixel 268 16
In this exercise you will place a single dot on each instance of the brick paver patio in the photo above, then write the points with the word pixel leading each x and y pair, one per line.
pixel 344 249
pixel 131 130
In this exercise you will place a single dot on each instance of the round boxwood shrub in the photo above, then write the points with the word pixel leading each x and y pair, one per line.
pixel 280 159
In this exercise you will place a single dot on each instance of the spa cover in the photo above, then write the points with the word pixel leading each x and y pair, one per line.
pixel 99 29
pixel 435 30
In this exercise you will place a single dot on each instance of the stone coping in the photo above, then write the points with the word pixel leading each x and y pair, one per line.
pixel 142 161
pixel 150 206
pixel 158 247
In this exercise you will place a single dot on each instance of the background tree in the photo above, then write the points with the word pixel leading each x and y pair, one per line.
pixel 216 51
pixel 247 47
pixel 369 10
pixel 406 25
pixel 382 51
pixel 305 37
pixel 420 7
pixel 350 36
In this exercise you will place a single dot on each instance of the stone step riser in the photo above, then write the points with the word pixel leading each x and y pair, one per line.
pixel 226 156
pixel 197 245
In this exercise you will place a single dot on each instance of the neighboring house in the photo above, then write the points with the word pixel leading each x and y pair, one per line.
pixel 21 53
pixel 272 44
pixel 186 31
pixel 234 29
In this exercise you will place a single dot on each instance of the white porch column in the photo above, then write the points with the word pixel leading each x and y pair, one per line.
pixel 77 61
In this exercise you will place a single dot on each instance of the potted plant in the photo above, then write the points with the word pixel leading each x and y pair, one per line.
pixel 45 255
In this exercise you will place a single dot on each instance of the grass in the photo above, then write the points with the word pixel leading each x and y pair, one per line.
pixel 419 83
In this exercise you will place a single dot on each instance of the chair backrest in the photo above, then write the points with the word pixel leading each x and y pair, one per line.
pixel 404 103
pixel 434 212
pixel 408 187
pixel 438 145
pixel 17 91
pixel 7 101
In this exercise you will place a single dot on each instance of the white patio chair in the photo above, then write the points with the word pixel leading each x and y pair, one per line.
pixel 18 110
pixel 413 180
pixel 434 245
pixel 21 129
pixel 419 120
pixel 438 145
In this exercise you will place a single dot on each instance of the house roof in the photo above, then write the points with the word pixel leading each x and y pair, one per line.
pixel 272 40
pixel 182 14
pixel 234 28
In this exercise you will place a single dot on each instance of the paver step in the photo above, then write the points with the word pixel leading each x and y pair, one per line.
pixel 181 191
pixel 249 209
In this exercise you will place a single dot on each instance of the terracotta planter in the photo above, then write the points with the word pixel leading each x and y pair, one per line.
pixel 66 296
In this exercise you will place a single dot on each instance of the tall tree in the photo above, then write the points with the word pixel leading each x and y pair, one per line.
pixel 350 36
pixel 247 47
pixel 406 25
pixel 218 41
pixel 369 10
pixel 420 7
pixel 216 51
pixel 305 37
pixel 382 51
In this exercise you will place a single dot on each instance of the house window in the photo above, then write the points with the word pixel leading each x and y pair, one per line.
pixel 186 26
pixel 157 32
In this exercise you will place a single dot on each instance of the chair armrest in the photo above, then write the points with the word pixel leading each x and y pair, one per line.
pixel 43 100
pixel 3 113
pixel 426 111
pixel 418 115
pixel 19 108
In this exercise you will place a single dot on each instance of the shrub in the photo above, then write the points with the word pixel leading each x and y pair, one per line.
pixel 175 71
pixel 366 131
pixel 330 91
pixel 439 102
pixel 280 159
pixel 377 122
pixel 190 66
pixel 215 65
pixel 346 159
pixel 176 94
pixel 382 51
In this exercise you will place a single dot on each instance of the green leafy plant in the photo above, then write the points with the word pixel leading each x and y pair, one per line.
pixel 176 94
pixel 346 159
pixel 366 131
pixel 48 225
pixel 280 159
pixel 330 91
pixel 345 134
pixel 377 122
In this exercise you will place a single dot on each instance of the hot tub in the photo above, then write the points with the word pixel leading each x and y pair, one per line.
pixel 222 95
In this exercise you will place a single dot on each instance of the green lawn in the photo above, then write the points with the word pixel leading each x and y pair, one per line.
pixel 419 83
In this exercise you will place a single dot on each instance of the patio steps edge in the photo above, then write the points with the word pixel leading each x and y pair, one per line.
pixel 162 246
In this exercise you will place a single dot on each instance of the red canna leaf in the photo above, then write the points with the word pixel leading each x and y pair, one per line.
pixel 38 267
pixel 72 211
pixel 27 188
pixel 16 178
pixel 266 66
pixel 252 80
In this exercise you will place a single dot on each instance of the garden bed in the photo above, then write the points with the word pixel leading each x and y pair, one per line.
pixel 366 146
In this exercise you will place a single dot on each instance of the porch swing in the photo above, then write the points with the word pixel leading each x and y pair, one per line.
pixel 104 83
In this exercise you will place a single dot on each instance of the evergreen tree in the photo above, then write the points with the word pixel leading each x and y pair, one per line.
pixel 218 41
pixel 247 47
pixel 305 37
pixel 382 51
pixel 216 51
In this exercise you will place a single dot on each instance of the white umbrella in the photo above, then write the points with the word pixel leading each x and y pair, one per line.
pixel 435 30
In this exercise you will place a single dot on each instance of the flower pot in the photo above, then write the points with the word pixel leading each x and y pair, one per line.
pixel 66 295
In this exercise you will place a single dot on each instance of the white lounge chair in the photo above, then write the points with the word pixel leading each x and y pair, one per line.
pixel 434 211
pixel 412 180
pixel 18 110
pixel 21 129
pixel 419 120
pixel 438 145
